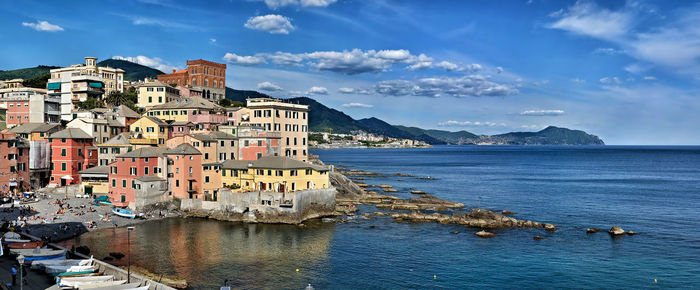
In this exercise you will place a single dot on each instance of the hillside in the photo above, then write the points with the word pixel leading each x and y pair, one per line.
pixel 242 95
pixel 132 71
pixel 26 73
pixel 458 137
pixel 548 136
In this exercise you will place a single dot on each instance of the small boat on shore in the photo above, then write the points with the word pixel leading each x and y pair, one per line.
pixel 41 264
pixel 39 254
pixel 122 212
pixel 111 285
pixel 61 269
pixel 76 282
pixel 25 245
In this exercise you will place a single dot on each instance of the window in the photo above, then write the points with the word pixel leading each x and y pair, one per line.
pixel 150 99
pixel 132 171
pixel 123 183
pixel 133 183
pixel 269 172
pixel 177 183
pixel 63 166
pixel 206 179
pixel 63 152
pixel 114 183
pixel 292 173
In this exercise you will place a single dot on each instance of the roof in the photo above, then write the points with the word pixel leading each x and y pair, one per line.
pixel 221 135
pixel 33 128
pixel 144 152
pixel 70 133
pixel 181 123
pixel 187 103
pixel 153 83
pixel 119 140
pixel 183 149
pixel 114 123
pixel 203 137
pixel 104 169
pixel 156 120
pixel 236 164
pixel 272 162
pixel 149 178
pixel 124 111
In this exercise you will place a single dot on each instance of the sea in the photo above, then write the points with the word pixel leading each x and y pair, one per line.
pixel 651 190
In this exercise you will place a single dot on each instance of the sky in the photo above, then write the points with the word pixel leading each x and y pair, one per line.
pixel 626 71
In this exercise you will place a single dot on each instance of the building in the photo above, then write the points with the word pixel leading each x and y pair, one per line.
pixel 36 135
pixel 150 131
pixel 71 152
pixel 79 81
pixel 14 161
pixel 183 109
pixel 13 83
pixel 185 167
pixel 148 161
pixel 289 120
pixel 201 75
pixel 44 108
pixel 95 180
pixel 153 92
pixel 17 108
pixel 98 129
pixel 118 145
pixel 255 142
pixel 274 173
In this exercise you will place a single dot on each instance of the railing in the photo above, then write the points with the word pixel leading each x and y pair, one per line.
pixel 142 141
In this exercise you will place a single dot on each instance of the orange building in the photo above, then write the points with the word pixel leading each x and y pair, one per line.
pixel 14 162
pixel 185 167
pixel 71 152
pixel 202 75
pixel 17 111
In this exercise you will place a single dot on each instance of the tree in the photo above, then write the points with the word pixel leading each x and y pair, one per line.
pixel 37 82
pixel 116 98
pixel 90 103
pixel 225 102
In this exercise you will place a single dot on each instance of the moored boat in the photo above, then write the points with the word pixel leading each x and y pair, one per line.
pixel 60 269
pixel 41 264
pixel 38 254
pixel 111 285
pixel 122 212
pixel 25 245
pixel 77 281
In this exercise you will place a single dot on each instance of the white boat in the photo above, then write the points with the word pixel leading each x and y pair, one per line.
pixel 12 241
pixel 41 264
pixel 139 288
pixel 12 235
pixel 114 285
pixel 38 254
pixel 56 269
pixel 75 282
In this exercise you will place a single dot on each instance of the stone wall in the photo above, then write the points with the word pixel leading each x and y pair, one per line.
pixel 264 207
pixel 149 193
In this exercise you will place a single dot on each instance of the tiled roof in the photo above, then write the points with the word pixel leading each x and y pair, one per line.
pixel 33 128
pixel 70 133
pixel 104 169
pixel 144 152
pixel 183 149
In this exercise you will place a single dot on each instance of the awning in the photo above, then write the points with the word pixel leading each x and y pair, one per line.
pixel 95 85
pixel 68 177
pixel 53 86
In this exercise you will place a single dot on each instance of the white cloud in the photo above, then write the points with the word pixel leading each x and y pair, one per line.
pixel 578 81
pixel 470 123
pixel 586 18
pixel 249 60
pixel 610 80
pixel 649 78
pixel 318 91
pixel 272 23
pixel 357 105
pixel 268 86
pixel 542 113
pixel 141 20
pixel 354 91
pixel 473 85
pixel 532 127
pixel 285 58
pixel 155 62
pixel 499 69
pixel 608 51
pixel 421 62
pixel 446 65
pixel 212 40
pixel 357 61
pixel 43 26
pixel 276 4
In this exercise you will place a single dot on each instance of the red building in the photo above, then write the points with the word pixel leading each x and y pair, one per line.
pixel 71 152
pixel 14 162
pixel 17 111
pixel 255 142
pixel 127 167
pixel 202 75
pixel 186 169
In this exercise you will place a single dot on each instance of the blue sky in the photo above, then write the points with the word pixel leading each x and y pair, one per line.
pixel 627 71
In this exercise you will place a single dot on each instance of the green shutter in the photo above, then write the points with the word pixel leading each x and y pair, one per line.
pixel 53 86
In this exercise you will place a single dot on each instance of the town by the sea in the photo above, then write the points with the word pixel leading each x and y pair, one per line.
pixel 653 191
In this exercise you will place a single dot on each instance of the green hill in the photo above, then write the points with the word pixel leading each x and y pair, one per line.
pixel 242 95
pixel 132 71
pixel 26 73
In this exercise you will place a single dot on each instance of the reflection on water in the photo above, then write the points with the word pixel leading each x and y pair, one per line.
pixel 206 252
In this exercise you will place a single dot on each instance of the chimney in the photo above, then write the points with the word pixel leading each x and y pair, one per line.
pixel 173 70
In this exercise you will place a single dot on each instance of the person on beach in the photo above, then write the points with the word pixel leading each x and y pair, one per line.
pixel 14 274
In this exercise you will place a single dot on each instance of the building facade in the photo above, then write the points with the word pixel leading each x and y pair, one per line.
pixel 185 167
pixel 289 120
pixel 14 162
pixel 153 92
pixel 71 152
pixel 201 75
pixel 129 166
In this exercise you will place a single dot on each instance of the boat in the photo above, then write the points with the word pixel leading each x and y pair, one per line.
pixel 60 269
pixel 41 264
pixel 122 212
pixel 139 288
pixel 87 272
pixel 38 254
pixel 77 281
pixel 109 285
pixel 14 241
pixel 25 245
pixel 11 236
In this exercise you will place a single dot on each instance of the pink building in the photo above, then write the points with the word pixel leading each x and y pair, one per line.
pixel 127 167
pixel 254 142
pixel 185 165
pixel 205 120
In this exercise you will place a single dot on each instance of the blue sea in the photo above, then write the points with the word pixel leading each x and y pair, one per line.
pixel 654 191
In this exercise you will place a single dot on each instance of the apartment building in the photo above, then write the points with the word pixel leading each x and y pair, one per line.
pixel 153 92
pixel 289 120
pixel 71 152
pixel 129 166
pixel 206 76
pixel 14 162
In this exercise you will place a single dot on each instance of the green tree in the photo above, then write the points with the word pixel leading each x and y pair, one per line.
pixel 225 102
pixel 90 103
pixel 116 98
pixel 37 82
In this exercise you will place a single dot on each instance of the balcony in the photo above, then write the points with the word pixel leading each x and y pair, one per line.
pixel 143 141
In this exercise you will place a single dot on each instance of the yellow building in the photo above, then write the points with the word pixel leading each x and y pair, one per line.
pixel 274 173
pixel 149 131
pixel 182 109
pixel 153 93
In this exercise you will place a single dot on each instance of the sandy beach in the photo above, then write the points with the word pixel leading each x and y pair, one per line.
pixel 48 218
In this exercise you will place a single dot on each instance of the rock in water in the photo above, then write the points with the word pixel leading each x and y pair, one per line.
pixel 550 227
pixel 507 212
pixel 455 233
pixel 631 233
pixel 616 231
pixel 484 234
pixel 538 237
pixel 592 230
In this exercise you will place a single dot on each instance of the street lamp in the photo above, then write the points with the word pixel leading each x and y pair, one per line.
pixel 20 259
pixel 128 253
